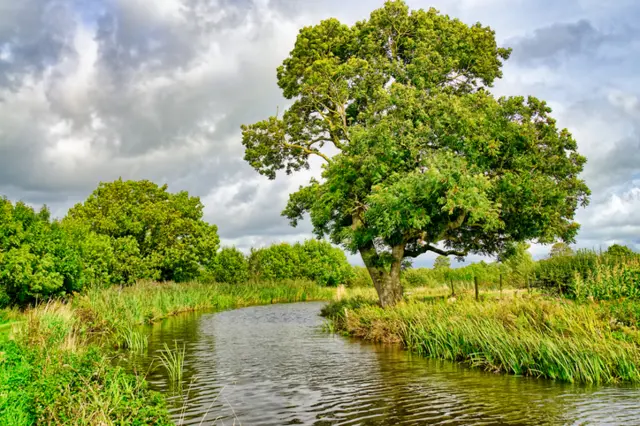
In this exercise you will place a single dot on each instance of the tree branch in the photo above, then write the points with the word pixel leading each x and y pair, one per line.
pixel 428 247
pixel 307 151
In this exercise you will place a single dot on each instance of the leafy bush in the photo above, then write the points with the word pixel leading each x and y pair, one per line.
pixel 424 277
pixel 323 263
pixel 231 266
pixel 359 277
pixel 276 262
pixel 314 260
pixel 557 274
pixel 37 259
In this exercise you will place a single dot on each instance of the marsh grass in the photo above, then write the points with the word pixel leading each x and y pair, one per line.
pixel 531 336
pixel 132 339
pixel 173 361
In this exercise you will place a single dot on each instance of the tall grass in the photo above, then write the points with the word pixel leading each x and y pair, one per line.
pixel 133 339
pixel 104 312
pixel 535 337
pixel 173 361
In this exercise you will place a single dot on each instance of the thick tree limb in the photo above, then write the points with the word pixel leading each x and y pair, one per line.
pixel 428 247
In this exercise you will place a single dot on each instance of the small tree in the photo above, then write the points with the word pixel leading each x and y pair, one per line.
pixel 427 159
pixel 442 263
pixel 560 249
pixel 520 263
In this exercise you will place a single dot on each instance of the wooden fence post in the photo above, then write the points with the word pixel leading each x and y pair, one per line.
pixel 501 285
pixel 475 282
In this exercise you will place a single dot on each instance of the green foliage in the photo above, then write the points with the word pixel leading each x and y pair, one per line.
pixel 154 233
pixel 519 264
pixel 231 266
pixel 359 278
pixel 36 256
pixel 612 278
pixel 442 262
pixel 619 250
pixel 557 274
pixel 61 387
pixel 274 263
pixel 426 156
pixel 560 249
pixel 314 260
pixel 321 262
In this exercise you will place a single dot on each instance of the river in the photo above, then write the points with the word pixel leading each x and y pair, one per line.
pixel 273 365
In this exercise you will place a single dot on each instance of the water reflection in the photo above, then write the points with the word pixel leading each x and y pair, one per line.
pixel 272 365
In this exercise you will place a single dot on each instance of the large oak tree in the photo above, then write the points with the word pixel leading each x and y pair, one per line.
pixel 425 158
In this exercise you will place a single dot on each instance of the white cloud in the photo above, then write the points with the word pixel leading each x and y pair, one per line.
pixel 94 90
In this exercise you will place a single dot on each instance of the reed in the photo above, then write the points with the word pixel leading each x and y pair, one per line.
pixel 173 361
pixel 539 337
pixel 132 339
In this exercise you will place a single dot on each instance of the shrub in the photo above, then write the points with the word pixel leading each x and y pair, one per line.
pixel 314 260
pixel 359 277
pixel 424 277
pixel 231 266
pixel 37 259
pixel 323 263
pixel 557 274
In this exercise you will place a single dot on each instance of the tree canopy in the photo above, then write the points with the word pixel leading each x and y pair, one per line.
pixel 36 260
pixel 427 158
pixel 162 234
pixel 619 250
pixel 442 262
pixel 560 249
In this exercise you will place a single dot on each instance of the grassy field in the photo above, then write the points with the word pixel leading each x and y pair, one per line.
pixel 520 333
pixel 55 365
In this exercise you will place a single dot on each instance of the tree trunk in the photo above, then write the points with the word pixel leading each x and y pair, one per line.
pixel 386 281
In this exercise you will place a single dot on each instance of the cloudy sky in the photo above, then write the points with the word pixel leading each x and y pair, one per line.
pixel 91 90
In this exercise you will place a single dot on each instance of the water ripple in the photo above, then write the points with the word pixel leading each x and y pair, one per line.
pixel 272 365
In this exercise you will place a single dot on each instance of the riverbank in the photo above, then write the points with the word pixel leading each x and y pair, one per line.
pixel 522 335
pixel 55 365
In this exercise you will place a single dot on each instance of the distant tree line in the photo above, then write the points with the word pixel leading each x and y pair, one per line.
pixel 132 230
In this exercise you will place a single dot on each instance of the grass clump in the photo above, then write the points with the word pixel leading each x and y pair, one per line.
pixel 538 337
pixel 173 361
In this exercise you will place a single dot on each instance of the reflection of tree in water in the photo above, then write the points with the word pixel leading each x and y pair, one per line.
pixel 272 365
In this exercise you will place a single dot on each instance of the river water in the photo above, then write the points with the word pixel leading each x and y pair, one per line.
pixel 273 365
